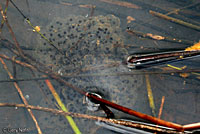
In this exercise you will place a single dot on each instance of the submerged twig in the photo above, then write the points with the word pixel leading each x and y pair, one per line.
pixel 118 107
pixel 120 122
pixel 22 96
pixel 171 12
pixel 181 9
pixel 192 126
pixel 35 29
pixel 161 107
pixel 135 113
pixel 18 62
pixel 178 21
pixel 11 32
pixel 103 74
pixel 27 79
pixel 14 68
pixel 5 12
pixel 122 3
pixel 158 37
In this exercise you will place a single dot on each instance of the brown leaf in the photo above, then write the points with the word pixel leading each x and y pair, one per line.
pixel 184 75
pixel 129 19
pixel 194 47
pixel 156 37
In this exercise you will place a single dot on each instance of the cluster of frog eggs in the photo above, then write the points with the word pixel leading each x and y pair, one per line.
pixel 88 41
pixel 81 41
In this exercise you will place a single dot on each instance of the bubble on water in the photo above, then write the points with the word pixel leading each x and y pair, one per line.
pixel 92 106
pixel 27 97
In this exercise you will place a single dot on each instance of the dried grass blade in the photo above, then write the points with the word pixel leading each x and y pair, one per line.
pixel 56 96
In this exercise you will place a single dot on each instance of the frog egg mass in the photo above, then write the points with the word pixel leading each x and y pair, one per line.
pixel 83 44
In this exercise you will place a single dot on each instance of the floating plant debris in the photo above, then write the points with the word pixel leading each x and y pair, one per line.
pixel 130 19
pixel 194 47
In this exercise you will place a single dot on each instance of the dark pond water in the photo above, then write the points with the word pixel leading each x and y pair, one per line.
pixel 91 45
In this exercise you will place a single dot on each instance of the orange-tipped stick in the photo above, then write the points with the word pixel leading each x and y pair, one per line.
pixel 135 113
